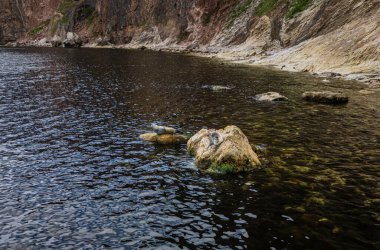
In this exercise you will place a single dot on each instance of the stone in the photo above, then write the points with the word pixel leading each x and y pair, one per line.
pixel 224 151
pixel 56 41
pixel 161 130
pixel 72 41
pixel 164 139
pixel 326 97
pixel 270 97
pixel 102 41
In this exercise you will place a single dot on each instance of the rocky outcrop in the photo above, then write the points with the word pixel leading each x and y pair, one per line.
pixel 224 151
pixel 319 36
pixel 270 97
pixel 326 97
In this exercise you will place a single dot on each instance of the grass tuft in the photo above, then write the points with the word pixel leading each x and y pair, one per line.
pixel 38 29
pixel 223 168
pixel 265 6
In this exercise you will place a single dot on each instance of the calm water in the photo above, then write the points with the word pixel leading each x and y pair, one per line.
pixel 73 173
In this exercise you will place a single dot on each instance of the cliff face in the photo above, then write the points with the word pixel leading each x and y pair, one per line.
pixel 312 35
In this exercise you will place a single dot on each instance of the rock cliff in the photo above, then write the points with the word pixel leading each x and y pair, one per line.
pixel 302 35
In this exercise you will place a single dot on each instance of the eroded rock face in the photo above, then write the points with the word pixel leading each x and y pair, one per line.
pixel 164 139
pixel 270 97
pixel 224 150
pixel 326 97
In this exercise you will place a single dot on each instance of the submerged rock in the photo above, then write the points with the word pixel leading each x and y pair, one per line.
pixel 270 97
pixel 164 139
pixel 219 88
pixel 326 97
pixel 225 151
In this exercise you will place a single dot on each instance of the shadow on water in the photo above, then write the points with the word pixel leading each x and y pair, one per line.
pixel 73 173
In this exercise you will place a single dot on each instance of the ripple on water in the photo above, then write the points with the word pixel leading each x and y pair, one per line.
pixel 74 175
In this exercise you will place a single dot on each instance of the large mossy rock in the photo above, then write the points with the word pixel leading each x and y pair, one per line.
pixel 224 151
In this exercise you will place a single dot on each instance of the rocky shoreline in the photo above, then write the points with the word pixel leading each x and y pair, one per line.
pixel 370 79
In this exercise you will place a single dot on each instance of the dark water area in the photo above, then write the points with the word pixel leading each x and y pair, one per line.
pixel 74 175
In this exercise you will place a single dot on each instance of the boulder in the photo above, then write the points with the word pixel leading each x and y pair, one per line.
pixel 164 139
pixel 72 40
pixel 102 41
pixel 161 130
pixel 326 97
pixel 56 41
pixel 270 97
pixel 224 151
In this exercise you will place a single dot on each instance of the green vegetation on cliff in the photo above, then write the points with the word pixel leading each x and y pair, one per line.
pixel 38 29
pixel 265 6
pixel 65 6
pixel 238 11
pixel 297 6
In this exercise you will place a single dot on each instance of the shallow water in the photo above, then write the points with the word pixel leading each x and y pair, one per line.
pixel 73 173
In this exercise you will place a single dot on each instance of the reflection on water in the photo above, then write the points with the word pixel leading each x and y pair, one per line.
pixel 73 173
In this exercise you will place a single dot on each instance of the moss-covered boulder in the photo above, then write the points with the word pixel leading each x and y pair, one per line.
pixel 224 151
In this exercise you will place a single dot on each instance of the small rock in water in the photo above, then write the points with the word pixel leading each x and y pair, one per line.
pixel 326 97
pixel 161 130
pixel 164 139
pixel 270 97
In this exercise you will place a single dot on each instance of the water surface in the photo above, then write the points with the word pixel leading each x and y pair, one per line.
pixel 73 173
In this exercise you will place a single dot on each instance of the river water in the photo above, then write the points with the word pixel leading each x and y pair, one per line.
pixel 74 175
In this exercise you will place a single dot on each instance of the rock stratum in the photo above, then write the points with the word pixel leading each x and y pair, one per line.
pixel 296 35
